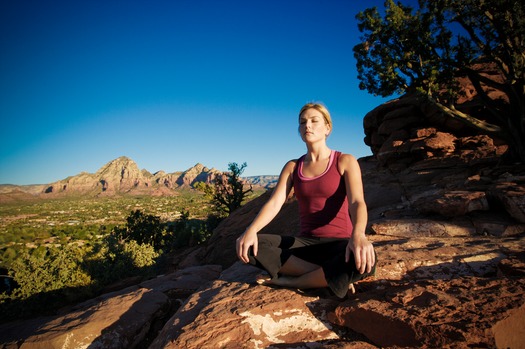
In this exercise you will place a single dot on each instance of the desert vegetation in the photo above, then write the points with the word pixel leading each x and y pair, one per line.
pixel 59 251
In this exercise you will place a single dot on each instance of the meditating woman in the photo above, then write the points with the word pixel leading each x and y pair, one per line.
pixel 331 249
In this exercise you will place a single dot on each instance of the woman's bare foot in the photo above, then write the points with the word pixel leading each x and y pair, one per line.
pixel 263 279
pixel 351 289
pixel 284 281
pixel 313 279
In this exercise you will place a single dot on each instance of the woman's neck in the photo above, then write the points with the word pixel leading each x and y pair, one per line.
pixel 317 153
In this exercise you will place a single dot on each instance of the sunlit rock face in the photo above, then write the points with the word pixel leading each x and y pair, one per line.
pixel 122 175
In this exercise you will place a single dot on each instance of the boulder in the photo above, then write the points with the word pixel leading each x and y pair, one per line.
pixel 411 128
pixel 457 313
pixel 235 312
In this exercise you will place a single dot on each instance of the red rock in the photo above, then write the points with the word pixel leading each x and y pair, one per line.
pixel 510 332
pixel 453 204
pixel 119 319
pixel 512 197
pixel 432 314
pixel 233 314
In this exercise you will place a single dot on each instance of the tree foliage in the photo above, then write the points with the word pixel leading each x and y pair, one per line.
pixel 425 50
pixel 49 269
pixel 228 190
pixel 113 259
pixel 45 279
pixel 142 228
pixel 190 232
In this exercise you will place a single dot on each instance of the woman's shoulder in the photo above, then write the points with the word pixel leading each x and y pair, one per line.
pixel 289 166
pixel 344 157
pixel 294 162
pixel 347 162
pixel 291 162
pixel 286 175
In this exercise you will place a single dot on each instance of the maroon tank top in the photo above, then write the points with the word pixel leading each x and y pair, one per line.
pixel 323 204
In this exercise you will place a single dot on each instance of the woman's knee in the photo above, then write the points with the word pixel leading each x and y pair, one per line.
pixel 268 239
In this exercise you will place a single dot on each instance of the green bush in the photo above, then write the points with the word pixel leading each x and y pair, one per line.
pixel 143 228
pixel 142 255
pixel 49 278
pixel 113 259
pixel 190 232
pixel 8 256
pixel 45 270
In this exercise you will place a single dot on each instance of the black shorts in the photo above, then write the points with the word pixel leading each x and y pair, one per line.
pixel 328 253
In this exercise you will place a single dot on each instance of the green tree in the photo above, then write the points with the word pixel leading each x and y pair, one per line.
pixel 427 49
pixel 44 282
pixel 143 228
pixel 228 190
pixel 190 232
pixel 114 258
pixel 55 269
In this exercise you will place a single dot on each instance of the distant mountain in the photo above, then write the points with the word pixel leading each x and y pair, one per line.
pixel 122 176
pixel 262 181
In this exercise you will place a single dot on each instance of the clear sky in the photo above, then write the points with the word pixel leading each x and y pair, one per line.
pixel 172 83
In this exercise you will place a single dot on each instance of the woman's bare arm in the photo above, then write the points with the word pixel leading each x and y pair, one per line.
pixel 358 244
pixel 268 212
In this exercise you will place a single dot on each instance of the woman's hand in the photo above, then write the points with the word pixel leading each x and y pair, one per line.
pixel 243 244
pixel 363 251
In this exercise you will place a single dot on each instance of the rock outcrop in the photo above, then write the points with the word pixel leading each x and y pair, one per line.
pixel 120 319
pixel 411 129
pixel 198 173
pixel 431 291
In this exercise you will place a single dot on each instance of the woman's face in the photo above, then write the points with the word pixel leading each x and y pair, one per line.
pixel 312 126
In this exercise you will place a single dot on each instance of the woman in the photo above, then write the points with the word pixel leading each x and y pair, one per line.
pixel 331 249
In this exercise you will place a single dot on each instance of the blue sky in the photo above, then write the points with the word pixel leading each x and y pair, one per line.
pixel 172 83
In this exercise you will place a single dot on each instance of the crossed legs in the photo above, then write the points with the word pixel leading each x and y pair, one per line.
pixel 303 263
pixel 297 262
pixel 298 273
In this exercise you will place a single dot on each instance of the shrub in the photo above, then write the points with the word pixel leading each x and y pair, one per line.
pixel 46 270
pixel 113 259
pixel 143 228
pixel 141 256
pixel 190 232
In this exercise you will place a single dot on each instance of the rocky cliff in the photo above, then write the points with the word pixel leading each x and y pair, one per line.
pixel 122 175
pixel 447 219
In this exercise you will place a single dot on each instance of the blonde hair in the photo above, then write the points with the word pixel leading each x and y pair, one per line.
pixel 320 108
